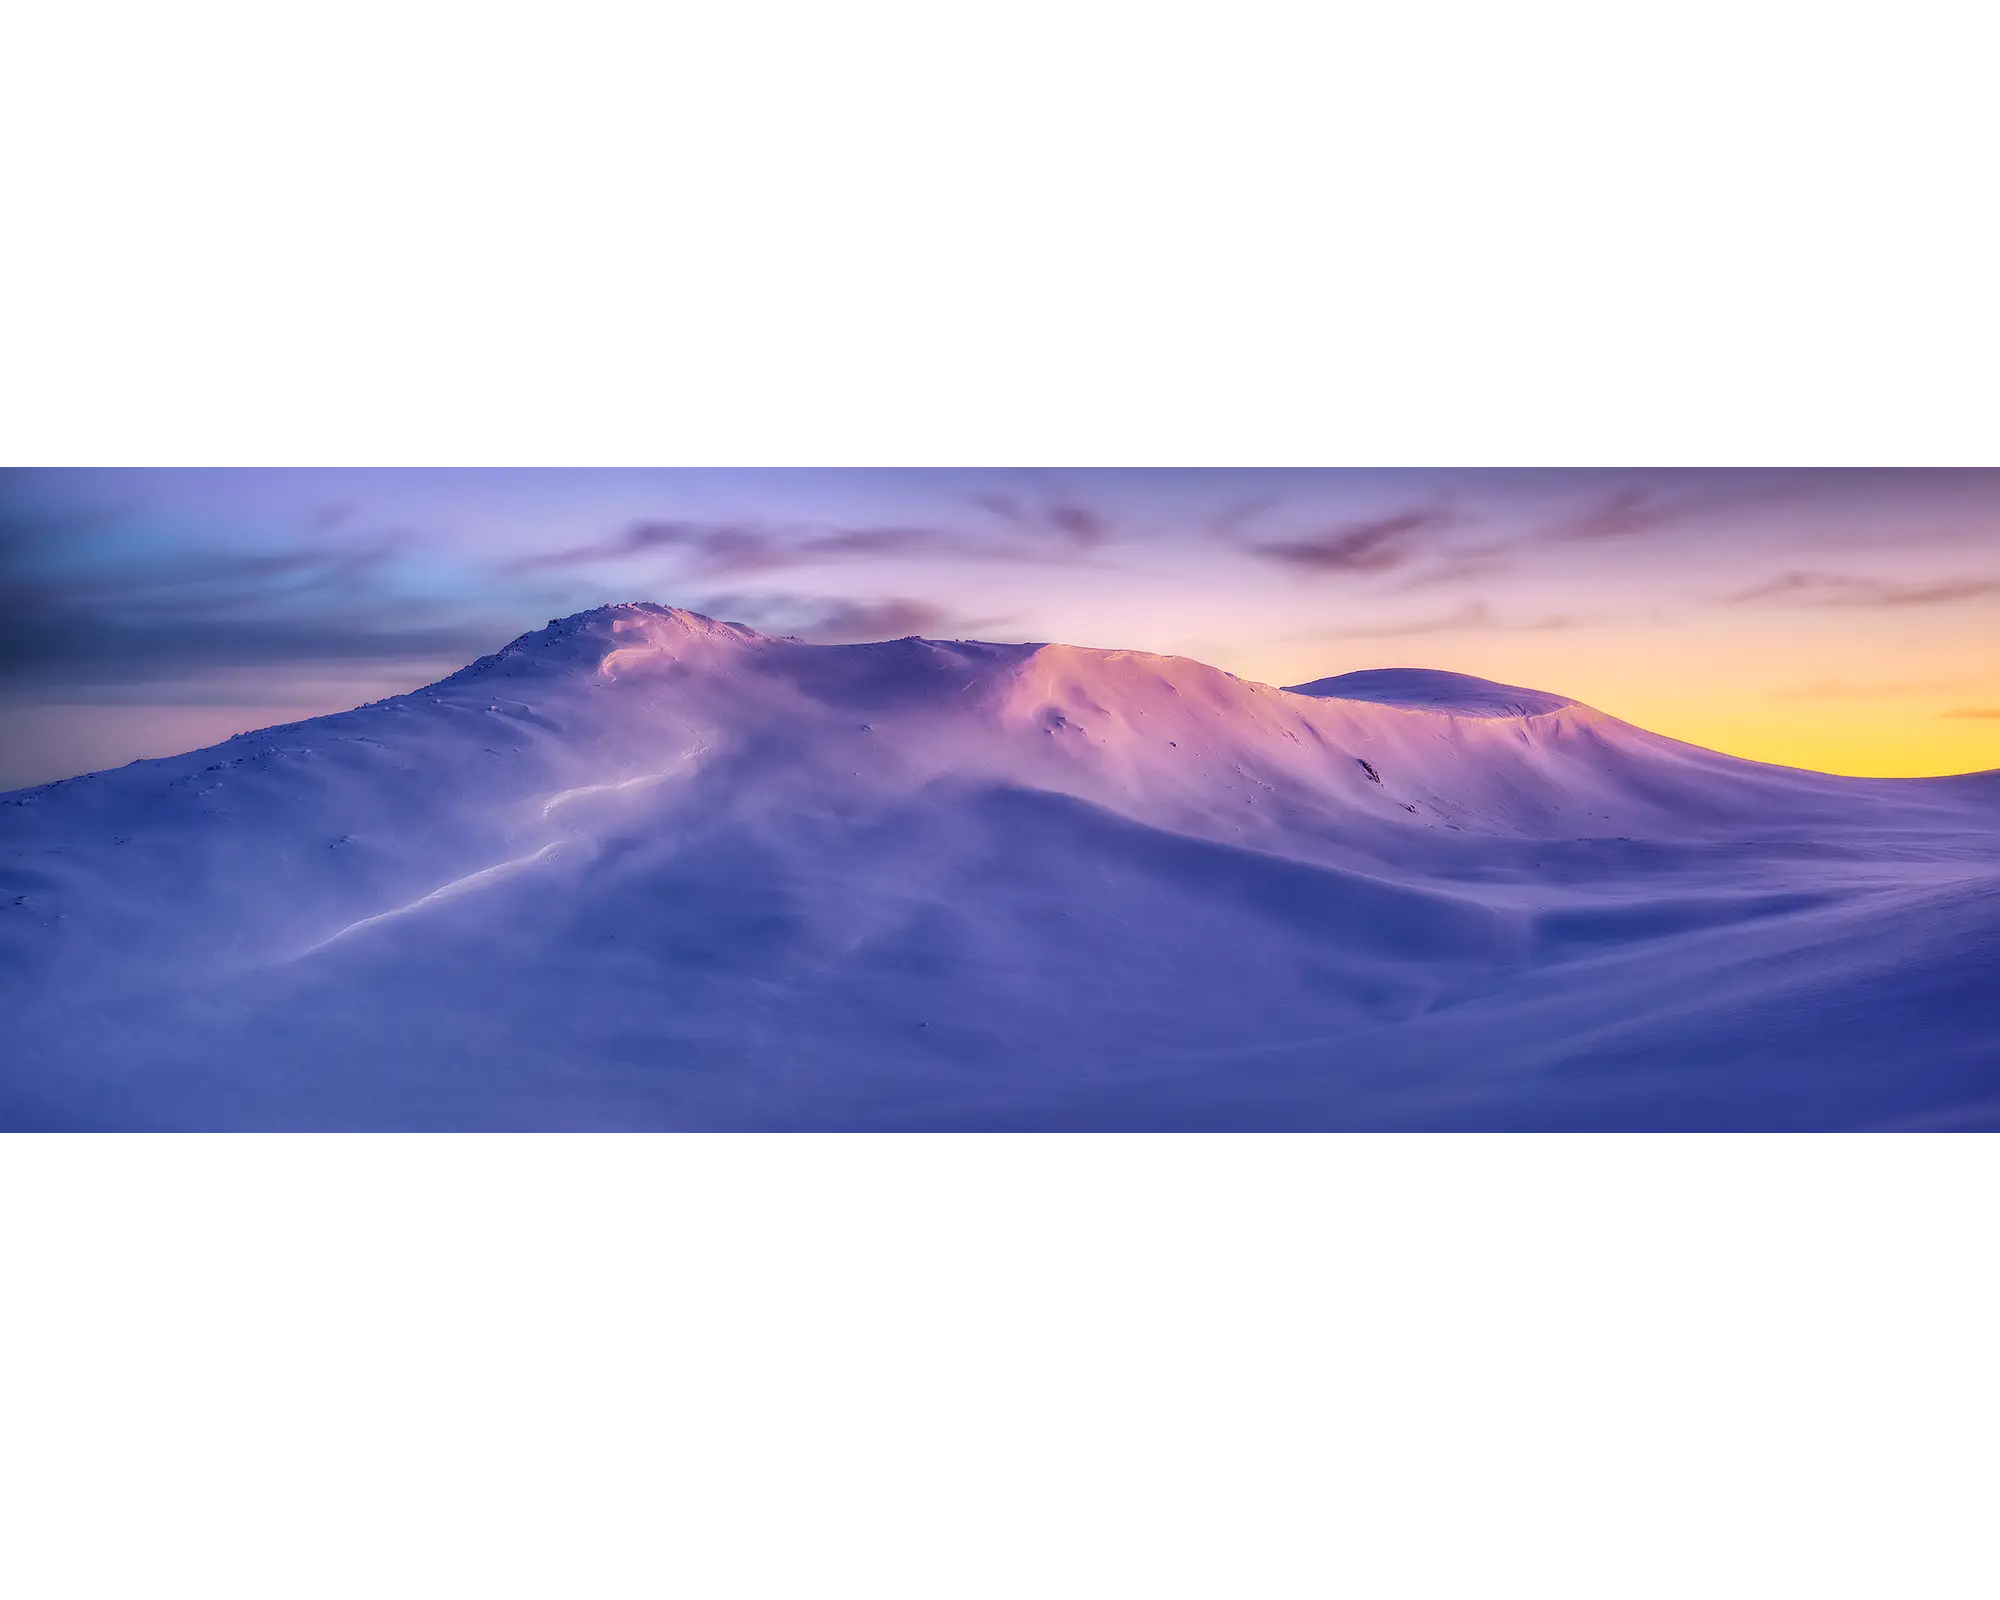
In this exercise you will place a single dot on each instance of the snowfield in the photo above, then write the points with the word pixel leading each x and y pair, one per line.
pixel 644 869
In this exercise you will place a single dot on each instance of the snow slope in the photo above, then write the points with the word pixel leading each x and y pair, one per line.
pixel 644 869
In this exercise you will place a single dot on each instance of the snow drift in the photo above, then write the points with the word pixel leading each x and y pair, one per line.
pixel 645 869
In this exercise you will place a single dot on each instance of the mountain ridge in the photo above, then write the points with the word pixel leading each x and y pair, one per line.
pixel 644 868
pixel 631 635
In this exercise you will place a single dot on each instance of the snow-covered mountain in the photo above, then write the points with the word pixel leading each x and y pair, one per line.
pixel 646 869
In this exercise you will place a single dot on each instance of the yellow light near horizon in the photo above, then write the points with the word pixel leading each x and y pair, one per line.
pixel 1861 745
pixel 1863 696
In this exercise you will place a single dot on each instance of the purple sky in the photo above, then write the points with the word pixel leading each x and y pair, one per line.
pixel 1835 619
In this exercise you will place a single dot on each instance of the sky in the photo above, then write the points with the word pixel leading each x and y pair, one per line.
pixel 1842 620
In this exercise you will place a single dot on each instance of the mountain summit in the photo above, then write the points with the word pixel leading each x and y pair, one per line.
pixel 1424 689
pixel 641 868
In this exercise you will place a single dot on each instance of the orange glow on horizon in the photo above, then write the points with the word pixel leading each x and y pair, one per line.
pixel 1859 696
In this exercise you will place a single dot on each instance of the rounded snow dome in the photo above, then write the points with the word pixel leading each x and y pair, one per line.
pixel 1425 689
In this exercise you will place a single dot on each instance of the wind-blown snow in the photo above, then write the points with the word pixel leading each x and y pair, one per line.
pixel 642 868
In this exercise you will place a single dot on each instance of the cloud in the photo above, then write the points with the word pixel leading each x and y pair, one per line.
pixel 729 549
pixel 825 619
pixel 88 612
pixel 1083 525
pixel 1007 507
pixel 1978 713
pixel 1376 545
pixel 1462 565
pixel 1838 589
pixel 1475 616
pixel 55 654
pixel 1066 518
pixel 716 549
pixel 1619 514
pixel 895 617
pixel 1230 520
pixel 1623 512
pixel 1651 500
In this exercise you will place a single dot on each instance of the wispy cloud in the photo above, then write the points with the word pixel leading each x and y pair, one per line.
pixel 719 548
pixel 1976 713
pixel 1229 521
pixel 1083 525
pixel 824 619
pixel 80 610
pixel 726 549
pixel 1063 515
pixel 1621 513
pixel 1377 544
pixel 1841 589
pixel 1468 564
pixel 1649 501
pixel 1475 616
pixel 1007 507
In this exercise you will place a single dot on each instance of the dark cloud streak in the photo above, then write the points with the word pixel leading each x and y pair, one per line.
pixel 822 619
pixel 1618 515
pixel 728 549
pixel 1230 520
pixel 1468 564
pixel 1843 590
pixel 1083 525
pixel 1475 616
pixel 1066 517
pixel 79 611
pixel 1379 544
pixel 1650 500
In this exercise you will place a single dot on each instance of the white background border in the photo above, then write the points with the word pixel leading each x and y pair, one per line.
pixel 1079 234
pixel 993 1366
pixel 401 233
